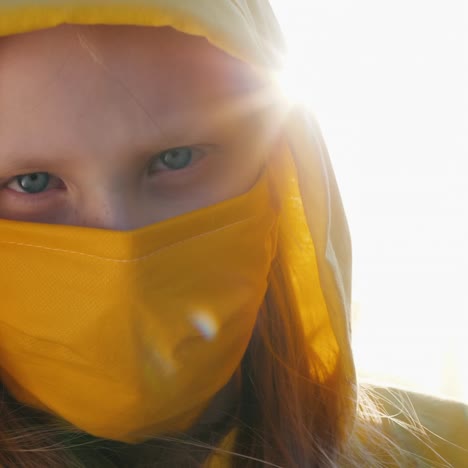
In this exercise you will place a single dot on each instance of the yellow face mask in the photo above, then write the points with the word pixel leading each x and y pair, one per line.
pixel 128 335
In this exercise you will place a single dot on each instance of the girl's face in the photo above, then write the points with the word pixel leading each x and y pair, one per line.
pixel 120 127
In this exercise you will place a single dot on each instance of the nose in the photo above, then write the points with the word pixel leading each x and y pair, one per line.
pixel 109 211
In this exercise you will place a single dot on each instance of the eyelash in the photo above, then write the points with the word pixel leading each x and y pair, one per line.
pixel 194 156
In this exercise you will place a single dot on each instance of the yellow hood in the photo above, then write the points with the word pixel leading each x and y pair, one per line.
pixel 319 266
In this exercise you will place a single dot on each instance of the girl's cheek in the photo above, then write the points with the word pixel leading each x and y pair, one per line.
pixel 49 218
pixel 32 208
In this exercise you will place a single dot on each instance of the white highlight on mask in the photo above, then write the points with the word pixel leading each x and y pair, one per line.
pixel 205 324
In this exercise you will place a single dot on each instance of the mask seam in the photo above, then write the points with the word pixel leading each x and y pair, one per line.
pixel 154 252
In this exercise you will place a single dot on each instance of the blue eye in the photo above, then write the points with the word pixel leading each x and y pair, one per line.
pixel 176 158
pixel 33 183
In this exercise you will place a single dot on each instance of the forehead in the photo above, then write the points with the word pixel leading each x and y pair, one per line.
pixel 160 63
pixel 67 86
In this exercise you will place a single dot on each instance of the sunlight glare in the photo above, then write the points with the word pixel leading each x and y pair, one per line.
pixel 392 108
pixel 294 82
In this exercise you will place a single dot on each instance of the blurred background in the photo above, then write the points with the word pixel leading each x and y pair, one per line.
pixel 388 83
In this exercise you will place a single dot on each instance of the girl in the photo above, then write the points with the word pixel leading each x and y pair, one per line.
pixel 175 258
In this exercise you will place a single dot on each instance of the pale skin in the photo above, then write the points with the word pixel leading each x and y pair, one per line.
pixel 88 114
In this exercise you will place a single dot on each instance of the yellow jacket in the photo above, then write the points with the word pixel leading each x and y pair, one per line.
pixel 248 30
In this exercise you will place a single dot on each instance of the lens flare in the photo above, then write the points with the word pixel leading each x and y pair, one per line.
pixel 295 82
pixel 205 324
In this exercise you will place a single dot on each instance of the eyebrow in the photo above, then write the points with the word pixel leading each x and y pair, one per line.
pixel 9 161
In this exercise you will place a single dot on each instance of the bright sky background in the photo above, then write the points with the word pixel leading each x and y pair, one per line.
pixel 388 82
